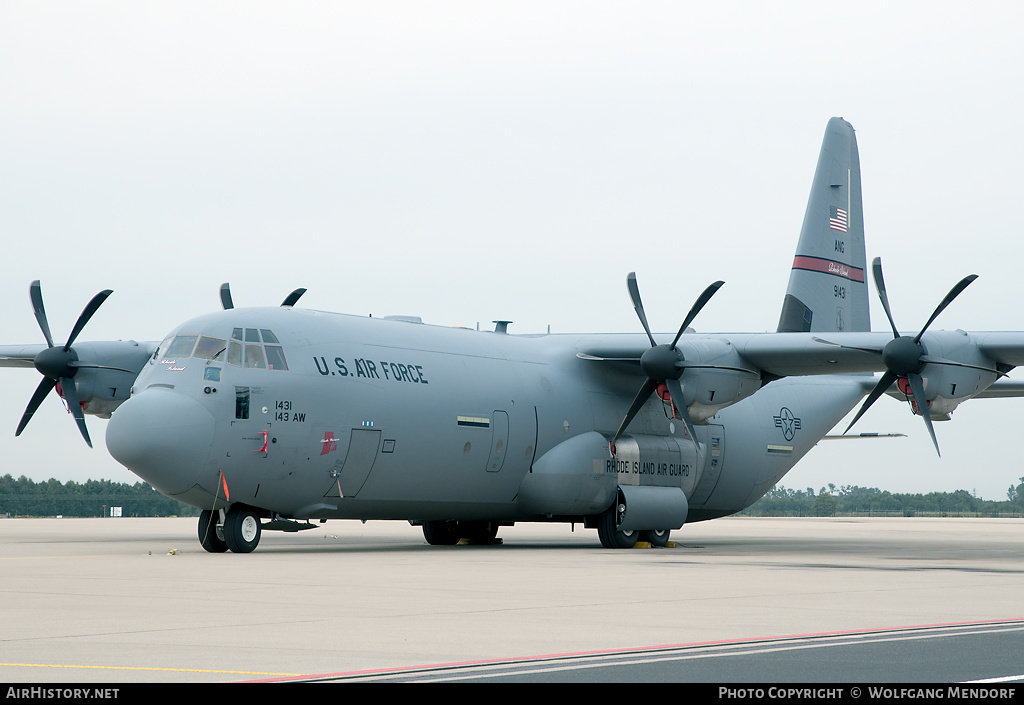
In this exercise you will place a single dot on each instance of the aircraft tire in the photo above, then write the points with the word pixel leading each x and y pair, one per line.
pixel 657 537
pixel 479 532
pixel 610 536
pixel 242 529
pixel 441 533
pixel 208 536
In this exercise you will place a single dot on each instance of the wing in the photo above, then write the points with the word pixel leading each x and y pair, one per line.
pixel 777 355
pixel 798 354
pixel 19 355
pixel 942 370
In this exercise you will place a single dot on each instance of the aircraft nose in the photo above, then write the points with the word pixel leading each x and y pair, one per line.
pixel 162 436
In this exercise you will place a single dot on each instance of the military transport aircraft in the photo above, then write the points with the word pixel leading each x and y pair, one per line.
pixel 275 418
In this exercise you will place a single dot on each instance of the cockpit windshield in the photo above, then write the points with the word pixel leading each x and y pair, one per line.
pixel 181 346
pixel 250 348
pixel 210 349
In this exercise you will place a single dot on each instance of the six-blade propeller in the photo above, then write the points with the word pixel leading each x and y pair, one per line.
pixel 904 356
pixel 663 364
pixel 59 365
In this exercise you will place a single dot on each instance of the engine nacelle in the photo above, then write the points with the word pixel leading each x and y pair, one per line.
pixel 103 390
pixel 947 386
pixel 726 379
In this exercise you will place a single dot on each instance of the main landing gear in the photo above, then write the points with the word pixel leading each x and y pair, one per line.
pixel 657 538
pixel 449 533
pixel 239 532
pixel 612 537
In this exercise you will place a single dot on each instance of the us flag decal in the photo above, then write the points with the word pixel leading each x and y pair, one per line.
pixel 837 218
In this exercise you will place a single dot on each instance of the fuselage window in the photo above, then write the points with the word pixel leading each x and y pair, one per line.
pixel 275 357
pixel 211 349
pixel 254 357
pixel 241 402
pixel 181 346
pixel 235 353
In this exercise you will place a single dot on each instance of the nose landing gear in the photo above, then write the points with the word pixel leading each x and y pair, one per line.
pixel 211 534
pixel 240 531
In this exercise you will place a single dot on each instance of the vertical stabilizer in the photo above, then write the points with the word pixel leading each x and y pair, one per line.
pixel 827 286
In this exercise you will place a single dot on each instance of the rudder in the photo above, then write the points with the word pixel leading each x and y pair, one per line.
pixel 827 287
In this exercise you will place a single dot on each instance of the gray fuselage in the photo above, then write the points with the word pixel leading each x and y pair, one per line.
pixel 330 416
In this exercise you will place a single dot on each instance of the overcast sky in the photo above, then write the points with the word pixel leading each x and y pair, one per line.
pixel 472 161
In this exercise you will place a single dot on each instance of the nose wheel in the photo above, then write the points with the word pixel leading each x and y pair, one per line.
pixel 242 529
pixel 211 535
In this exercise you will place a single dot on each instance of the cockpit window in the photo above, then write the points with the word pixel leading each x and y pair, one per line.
pixel 254 357
pixel 211 349
pixel 181 346
pixel 241 402
pixel 275 357
pixel 159 353
pixel 250 354
pixel 235 353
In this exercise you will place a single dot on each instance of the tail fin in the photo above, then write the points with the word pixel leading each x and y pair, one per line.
pixel 827 286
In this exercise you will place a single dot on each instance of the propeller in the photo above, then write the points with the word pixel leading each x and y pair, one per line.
pixel 293 297
pixel 904 356
pixel 227 303
pixel 225 296
pixel 663 364
pixel 59 365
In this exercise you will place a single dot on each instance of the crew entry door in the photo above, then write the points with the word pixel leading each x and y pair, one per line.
pixel 362 454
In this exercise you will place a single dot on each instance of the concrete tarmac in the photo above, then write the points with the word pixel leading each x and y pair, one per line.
pixel 138 600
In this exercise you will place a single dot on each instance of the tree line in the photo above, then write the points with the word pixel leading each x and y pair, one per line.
pixel 861 501
pixel 92 498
